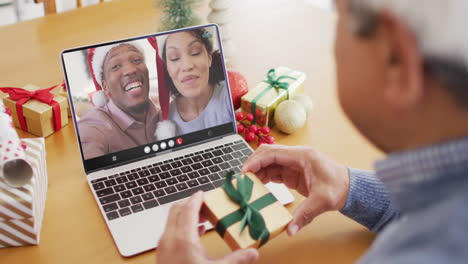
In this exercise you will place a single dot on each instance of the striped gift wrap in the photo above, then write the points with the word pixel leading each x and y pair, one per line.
pixel 22 209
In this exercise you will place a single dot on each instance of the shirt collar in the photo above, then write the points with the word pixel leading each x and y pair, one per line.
pixel 408 175
pixel 124 120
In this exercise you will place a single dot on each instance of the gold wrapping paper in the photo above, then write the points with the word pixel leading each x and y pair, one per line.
pixel 59 90
pixel 22 209
pixel 217 205
pixel 38 115
pixel 267 103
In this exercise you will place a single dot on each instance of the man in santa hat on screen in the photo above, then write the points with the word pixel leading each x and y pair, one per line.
pixel 124 116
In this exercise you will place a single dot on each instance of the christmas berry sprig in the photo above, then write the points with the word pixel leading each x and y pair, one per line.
pixel 253 132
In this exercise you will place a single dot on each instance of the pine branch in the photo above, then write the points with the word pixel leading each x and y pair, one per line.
pixel 177 13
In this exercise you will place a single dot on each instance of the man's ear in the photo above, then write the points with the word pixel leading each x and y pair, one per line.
pixel 404 85
pixel 104 88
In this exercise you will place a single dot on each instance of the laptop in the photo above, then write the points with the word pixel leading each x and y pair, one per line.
pixel 155 123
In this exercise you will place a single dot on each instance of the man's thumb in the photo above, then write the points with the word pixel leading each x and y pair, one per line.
pixel 303 215
pixel 241 256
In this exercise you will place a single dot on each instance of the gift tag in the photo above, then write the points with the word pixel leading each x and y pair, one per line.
pixel 281 192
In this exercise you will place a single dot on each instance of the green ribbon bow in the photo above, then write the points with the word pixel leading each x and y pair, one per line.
pixel 273 82
pixel 249 214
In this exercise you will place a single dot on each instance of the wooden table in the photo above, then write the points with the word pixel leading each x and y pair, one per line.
pixel 266 34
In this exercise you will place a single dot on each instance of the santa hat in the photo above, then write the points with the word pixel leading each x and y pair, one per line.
pixel 166 128
pixel 96 56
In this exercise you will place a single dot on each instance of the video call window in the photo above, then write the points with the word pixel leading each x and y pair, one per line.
pixel 133 93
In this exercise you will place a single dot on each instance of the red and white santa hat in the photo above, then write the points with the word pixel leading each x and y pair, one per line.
pixel 96 56
pixel 166 128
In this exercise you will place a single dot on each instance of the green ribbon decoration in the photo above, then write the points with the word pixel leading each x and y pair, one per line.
pixel 248 214
pixel 273 83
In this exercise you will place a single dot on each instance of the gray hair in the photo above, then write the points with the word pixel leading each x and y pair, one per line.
pixel 449 69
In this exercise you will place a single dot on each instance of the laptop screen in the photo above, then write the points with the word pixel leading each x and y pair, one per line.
pixel 143 96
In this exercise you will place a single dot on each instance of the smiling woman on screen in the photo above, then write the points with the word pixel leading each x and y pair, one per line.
pixel 196 81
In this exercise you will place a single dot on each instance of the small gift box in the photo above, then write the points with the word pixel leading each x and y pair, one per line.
pixel 244 212
pixel 281 84
pixel 22 209
pixel 35 110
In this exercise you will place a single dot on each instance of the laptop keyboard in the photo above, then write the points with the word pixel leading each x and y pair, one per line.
pixel 143 188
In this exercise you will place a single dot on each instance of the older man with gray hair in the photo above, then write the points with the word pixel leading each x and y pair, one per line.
pixel 409 60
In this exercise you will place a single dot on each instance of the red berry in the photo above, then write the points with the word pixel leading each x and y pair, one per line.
pixel 239 116
pixel 253 129
pixel 249 137
pixel 269 139
pixel 265 130
pixel 262 120
pixel 260 143
pixel 258 112
pixel 240 128
pixel 250 116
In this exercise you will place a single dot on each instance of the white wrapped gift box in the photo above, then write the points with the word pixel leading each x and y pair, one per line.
pixel 22 209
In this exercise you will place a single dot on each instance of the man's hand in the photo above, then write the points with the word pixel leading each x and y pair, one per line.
pixel 180 242
pixel 324 182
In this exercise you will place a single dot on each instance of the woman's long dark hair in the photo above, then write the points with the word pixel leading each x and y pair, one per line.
pixel 216 69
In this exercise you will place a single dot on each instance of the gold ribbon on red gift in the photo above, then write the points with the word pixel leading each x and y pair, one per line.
pixel 21 96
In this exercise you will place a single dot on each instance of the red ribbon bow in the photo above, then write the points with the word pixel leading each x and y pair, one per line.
pixel 21 96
